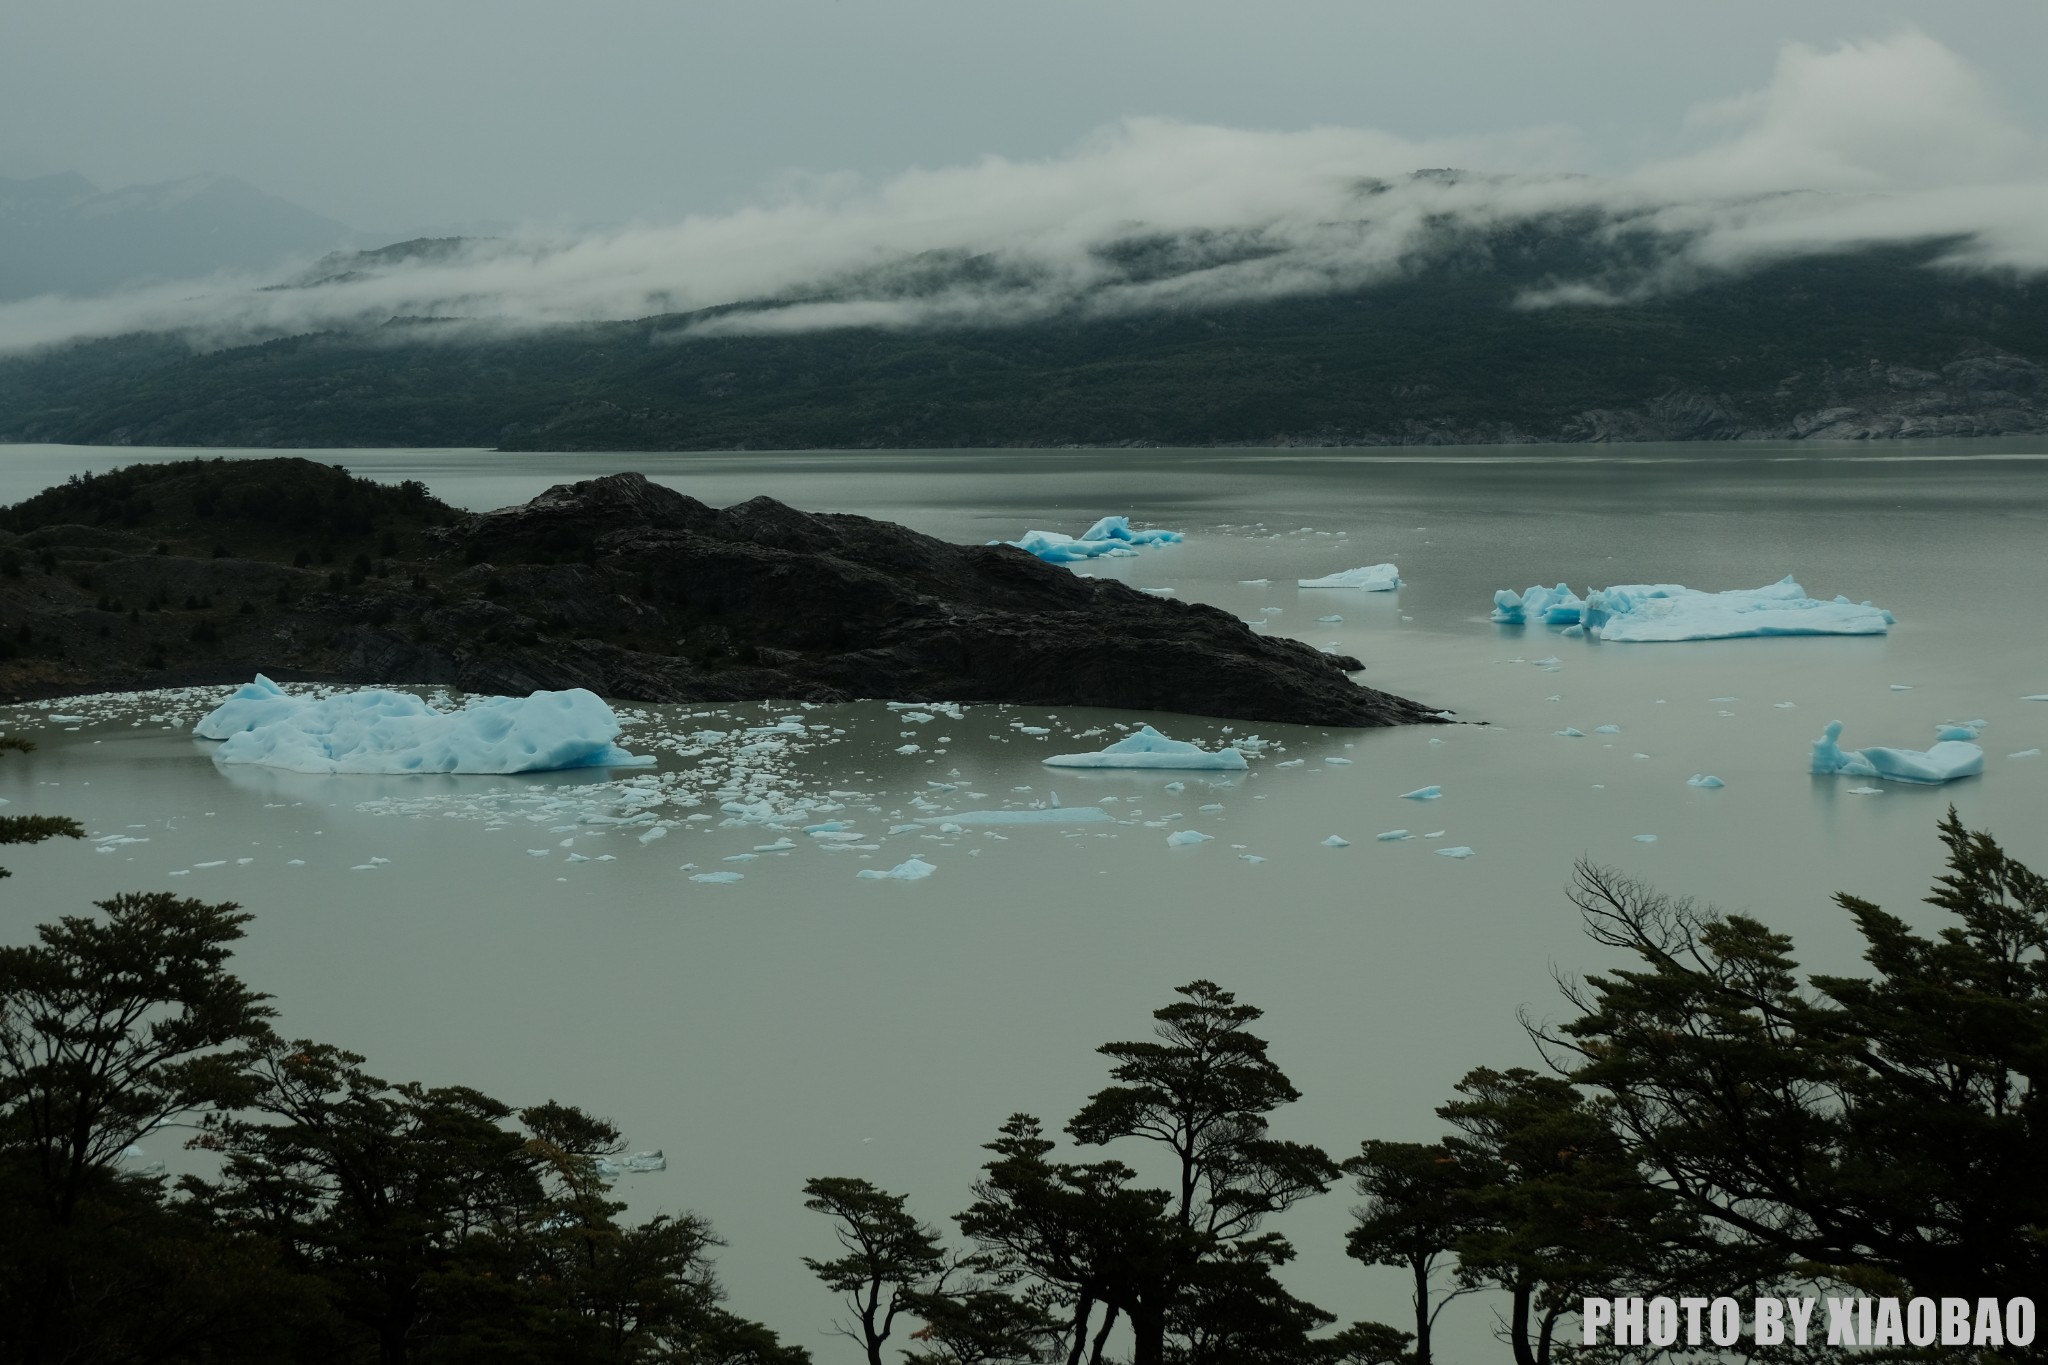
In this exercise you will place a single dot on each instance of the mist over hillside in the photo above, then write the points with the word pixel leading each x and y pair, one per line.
pixel 61 234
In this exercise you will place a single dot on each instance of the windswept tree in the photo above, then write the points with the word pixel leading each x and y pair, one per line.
pixel 111 1027
pixel 1186 1269
pixel 32 829
pixel 886 1257
pixel 446 1226
pixel 1418 1204
pixel 1887 1129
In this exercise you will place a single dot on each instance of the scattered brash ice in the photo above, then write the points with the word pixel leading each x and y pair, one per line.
pixel 916 870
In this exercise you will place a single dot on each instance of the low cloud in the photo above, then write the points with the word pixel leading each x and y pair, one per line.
pixel 1871 142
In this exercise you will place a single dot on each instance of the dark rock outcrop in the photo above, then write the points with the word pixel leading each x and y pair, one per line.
pixel 620 585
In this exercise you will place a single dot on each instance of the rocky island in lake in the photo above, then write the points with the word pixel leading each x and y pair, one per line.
pixel 210 570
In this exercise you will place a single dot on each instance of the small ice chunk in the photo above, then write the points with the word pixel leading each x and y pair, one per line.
pixel 1646 838
pixel 909 749
pixel 1251 857
pixel 1371 578
pixel 1607 729
pixel 1336 841
pixel 1185 838
pixel 2038 696
pixel 1866 791
pixel 1338 762
pixel 1329 620
pixel 1454 851
pixel 1572 732
pixel 1902 687
pixel 718 878
pixel 1147 748
pixel 1704 780
pixel 915 870
pixel 1423 794
pixel 2026 753
pixel 1393 836
pixel 1945 761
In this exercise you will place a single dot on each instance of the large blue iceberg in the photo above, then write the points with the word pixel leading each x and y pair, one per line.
pixel 1150 749
pixel 1111 536
pixel 1946 761
pixel 380 731
pixel 1644 613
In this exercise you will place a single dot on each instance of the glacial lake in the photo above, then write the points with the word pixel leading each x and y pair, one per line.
pixel 802 1021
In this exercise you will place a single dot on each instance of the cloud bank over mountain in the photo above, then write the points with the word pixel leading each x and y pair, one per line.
pixel 1885 140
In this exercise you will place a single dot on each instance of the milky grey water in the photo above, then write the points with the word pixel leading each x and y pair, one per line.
pixel 802 1021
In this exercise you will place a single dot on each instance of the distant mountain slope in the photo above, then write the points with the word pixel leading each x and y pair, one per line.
pixel 1874 343
pixel 60 234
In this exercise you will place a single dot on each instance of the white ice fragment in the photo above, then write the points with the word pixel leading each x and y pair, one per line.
pixel 718 878
pixel 909 749
pixel 1338 762
pixel 1211 808
pixel 1454 851
pixel 1055 815
pixel 1329 620
pixel 2026 753
pixel 1149 749
pixel 1336 841
pixel 1183 838
pixel 378 731
pixel 1423 794
pixel 1251 857
pixel 1393 836
pixel 1607 729
pixel 1866 791
pixel 660 832
pixel 2038 696
pixel 1572 732
pixel 1646 838
pixel 1371 578
pixel 1945 761
pixel 915 870
pixel 1704 780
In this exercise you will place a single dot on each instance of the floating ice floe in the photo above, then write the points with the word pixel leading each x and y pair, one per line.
pixel 1186 838
pixel 380 731
pixel 1541 606
pixel 1055 815
pixel 1393 836
pixel 1423 794
pixel 1455 851
pixel 1111 536
pixel 718 878
pixel 1150 749
pixel 1667 612
pixel 1371 578
pixel 1946 761
pixel 1336 841
pixel 916 870
pixel 1704 780
pixel 2025 753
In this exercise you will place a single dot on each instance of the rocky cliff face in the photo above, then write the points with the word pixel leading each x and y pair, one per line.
pixel 615 584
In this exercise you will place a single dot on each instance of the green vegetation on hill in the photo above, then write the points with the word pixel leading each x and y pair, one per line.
pixel 1866 343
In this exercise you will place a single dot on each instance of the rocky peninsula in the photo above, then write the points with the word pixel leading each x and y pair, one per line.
pixel 208 571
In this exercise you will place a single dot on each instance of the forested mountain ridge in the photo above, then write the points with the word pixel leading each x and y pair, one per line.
pixel 1870 343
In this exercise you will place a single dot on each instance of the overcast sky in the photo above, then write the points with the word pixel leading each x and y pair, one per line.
pixel 391 114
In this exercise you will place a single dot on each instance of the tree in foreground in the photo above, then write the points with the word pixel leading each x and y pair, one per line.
pixel 1186 1268
pixel 1887 1130
pixel 887 1257
pixel 112 1027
